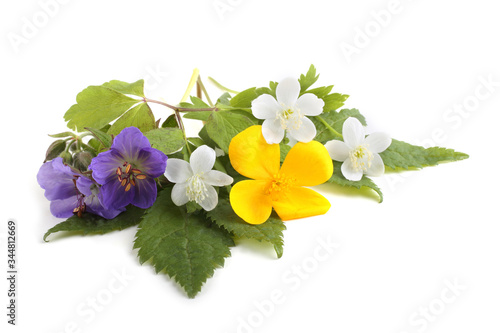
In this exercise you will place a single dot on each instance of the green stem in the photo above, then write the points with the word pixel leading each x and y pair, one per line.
pixel 330 128
pixel 179 109
pixel 192 81
pixel 221 87
pixel 202 86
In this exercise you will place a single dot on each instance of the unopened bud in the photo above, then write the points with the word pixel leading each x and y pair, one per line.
pixel 54 150
pixel 67 158
pixel 82 160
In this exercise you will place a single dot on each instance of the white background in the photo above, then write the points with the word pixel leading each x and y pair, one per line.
pixel 395 261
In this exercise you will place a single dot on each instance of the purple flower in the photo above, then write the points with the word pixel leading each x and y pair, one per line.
pixel 70 192
pixel 128 170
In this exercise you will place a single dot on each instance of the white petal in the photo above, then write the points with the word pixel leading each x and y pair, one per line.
pixel 377 168
pixel 210 200
pixel 353 132
pixel 179 194
pixel 202 159
pixel 288 91
pixel 349 172
pixel 178 170
pixel 217 178
pixel 272 131
pixel 265 107
pixel 378 142
pixel 305 133
pixel 338 150
pixel 310 105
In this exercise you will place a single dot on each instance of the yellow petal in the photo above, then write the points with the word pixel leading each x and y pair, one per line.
pixel 300 202
pixel 252 156
pixel 308 163
pixel 251 201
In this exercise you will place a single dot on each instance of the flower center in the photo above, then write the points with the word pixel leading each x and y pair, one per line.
pixel 196 189
pixel 80 206
pixel 361 158
pixel 279 186
pixel 127 175
pixel 290 118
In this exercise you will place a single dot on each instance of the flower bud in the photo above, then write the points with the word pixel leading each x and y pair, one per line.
pixel 56 148
pixel 81 160
pixel 67 158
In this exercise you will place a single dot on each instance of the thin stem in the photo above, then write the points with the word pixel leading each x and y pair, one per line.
pixel 330 128
pixel 192 81
pixel 202 86
pixel 221 87
pixel 179 109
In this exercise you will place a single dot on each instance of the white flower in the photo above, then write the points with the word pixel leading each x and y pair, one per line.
pixel 195 180
pixel 287 113
pixel 359 154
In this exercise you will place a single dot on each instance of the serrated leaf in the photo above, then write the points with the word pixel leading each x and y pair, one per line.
pixel 136 88
pixel 309 79
pixel 339 179
pixel 139 116
pixel 224 99
pixel 224 125
pixel 334 101
pixel 104 138
pixel 168 140
pixel 196 103
pixel 94 224
pixel 271 231
pixel 185 246
pixel 96 107
pixel 404 155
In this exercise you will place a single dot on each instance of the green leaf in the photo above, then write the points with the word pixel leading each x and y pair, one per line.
pixel 105 139
pixel 139 116
pixel 284 149
pixel 136 88
pixel 185 246
pixel 309 79
pixel 168 140
pixel 171 121
pixel 271 231
pixel 198 115
pixel 334 120
pixel 224 99
pixel 334 101
pixel 244 99
pixel 339 179
pixel 62 135
pixel 404 155
pixel 94 224
pixel 96 107
pixel 222 126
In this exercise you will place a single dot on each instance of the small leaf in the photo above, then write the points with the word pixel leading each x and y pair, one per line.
pixel 338 178
pixel 404 155
pixel 271 231
pixel 334 120
pixel 244 99
pixel 168 140
pixel 94 224
pixel 171 121
pixel 136 88
pixel 334 101
pixel 309 79
pixel 196 103
pixel 139 116
pixel 224 125
pixel 105 139
pixel 224 99
pixel 185 246
pixel 62 135
pixel 198 115
pixel 96 107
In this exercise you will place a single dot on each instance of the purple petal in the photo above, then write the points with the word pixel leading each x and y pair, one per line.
pixel 83 184
pixel 152 162
pixel 94 206
pixel 129 143
pixel 64 208
pixel 145 193
pixel 113 195
pixel 56 179
pixel 104 166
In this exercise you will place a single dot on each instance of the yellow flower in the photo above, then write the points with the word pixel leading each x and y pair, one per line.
pixel 307 164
